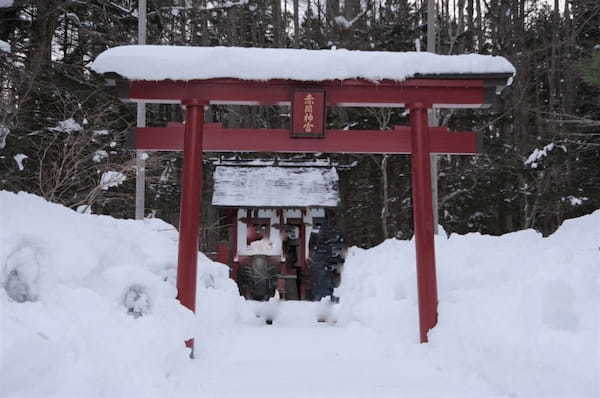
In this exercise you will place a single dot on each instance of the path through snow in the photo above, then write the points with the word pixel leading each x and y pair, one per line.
pixel 300 357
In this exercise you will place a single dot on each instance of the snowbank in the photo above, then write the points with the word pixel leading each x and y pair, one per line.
pixel 87 309
pixel 189 63
pixel 88 306
pixel 519 311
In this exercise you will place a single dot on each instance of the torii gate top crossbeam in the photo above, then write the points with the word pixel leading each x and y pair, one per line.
pixel 267 76
pixel 438 91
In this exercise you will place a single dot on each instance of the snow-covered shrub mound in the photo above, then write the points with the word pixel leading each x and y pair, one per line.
pixel 87 303
pixel 520 311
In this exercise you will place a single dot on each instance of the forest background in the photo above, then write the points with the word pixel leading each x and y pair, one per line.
pixel 64 134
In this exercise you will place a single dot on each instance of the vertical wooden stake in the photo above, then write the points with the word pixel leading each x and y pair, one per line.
pixel 433 119
pixel 423 219
pixel 140 157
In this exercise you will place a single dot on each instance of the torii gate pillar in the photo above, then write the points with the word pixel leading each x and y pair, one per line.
pixel 423 218
pixel 191 201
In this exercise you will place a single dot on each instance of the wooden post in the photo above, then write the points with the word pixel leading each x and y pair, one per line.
pixel 191 201
pixel 431 26
pixel 140 156
pixel 423 219
pixel 234 245
pixel 433 117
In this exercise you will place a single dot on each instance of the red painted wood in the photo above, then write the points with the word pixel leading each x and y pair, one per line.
pixel 168 138
pixel 235 267
pixel 218 139
pixel 414 94
pixel 234 237
pixel 223 250
pixel 339 93
pixel 423 220
pixel 308 113
pixel 189 219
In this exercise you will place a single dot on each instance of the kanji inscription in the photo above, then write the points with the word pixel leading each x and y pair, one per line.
pixel 308 117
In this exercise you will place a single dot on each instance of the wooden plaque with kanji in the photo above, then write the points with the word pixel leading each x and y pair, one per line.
pixel 308 113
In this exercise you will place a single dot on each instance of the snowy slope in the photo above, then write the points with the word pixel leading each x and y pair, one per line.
pixel 76 337
pixel 519 311
pixel 519 317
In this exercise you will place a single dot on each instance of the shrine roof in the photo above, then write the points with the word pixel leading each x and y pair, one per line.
pixel 155 63
pixel 275 187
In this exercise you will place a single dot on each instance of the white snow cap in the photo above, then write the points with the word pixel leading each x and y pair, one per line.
pixel 275 187
pixel 192 63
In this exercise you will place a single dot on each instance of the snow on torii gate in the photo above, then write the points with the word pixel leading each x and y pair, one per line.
pixel 198 76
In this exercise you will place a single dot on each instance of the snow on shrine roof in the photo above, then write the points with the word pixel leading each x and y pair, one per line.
pixel 275 187
pixel 152 62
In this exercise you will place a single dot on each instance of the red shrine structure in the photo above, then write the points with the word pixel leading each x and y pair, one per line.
pixel 309 81
pixel 271 211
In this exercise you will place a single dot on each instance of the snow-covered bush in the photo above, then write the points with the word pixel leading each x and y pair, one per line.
pixel 21 271
pixel 137 301
pixel 16 288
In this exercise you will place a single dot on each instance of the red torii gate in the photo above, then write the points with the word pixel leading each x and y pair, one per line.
pixel 415 94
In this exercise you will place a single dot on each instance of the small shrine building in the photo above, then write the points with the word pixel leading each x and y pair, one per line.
pixel 272 211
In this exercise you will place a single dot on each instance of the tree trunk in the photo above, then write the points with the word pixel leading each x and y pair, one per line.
pixel 385 208
pixel 296 24
pixel 351 9
pixel 39 61
pixel 43 27
pixel 277 24
pixel 552 76
pixel 480 27
pixel 470 26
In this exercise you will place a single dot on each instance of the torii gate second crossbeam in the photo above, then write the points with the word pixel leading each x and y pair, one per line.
pixel 457 90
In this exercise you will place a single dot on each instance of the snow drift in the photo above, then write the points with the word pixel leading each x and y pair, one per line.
pixel 519 311
pixel 88 303
pixel 87 308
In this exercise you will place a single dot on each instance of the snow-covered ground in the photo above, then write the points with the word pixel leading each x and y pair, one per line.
pixel 87 308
